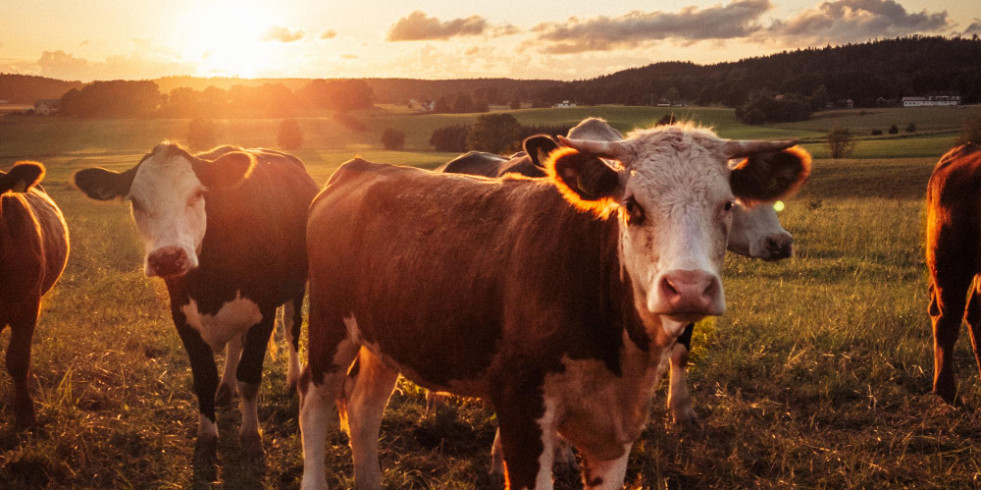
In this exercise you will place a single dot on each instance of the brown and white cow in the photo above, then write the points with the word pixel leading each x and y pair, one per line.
pixel 557 300
pixel 226 232
pixel 756 233
pixel 953 257
pixel 33 254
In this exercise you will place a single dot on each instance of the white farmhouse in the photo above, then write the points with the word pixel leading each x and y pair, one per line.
pixel 932 101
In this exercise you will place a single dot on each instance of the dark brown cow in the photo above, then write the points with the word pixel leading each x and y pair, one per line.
pixel 33 253
pixel 557 300
pixel 953 256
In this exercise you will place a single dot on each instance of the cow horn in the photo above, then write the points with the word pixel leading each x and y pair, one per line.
pixel 607 149
pixel 742 148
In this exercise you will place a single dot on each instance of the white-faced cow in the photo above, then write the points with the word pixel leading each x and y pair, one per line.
pixel 558 300
pixel 953 258
pixel 33 253
pixel 756 232
pixel 225 230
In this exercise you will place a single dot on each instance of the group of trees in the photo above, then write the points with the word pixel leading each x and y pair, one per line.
pixel 121 98
pixel 203 134
pixel 768 107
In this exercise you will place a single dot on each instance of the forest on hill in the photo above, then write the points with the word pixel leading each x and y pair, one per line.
pixel 878 72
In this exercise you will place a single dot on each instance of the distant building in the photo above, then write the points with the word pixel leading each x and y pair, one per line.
pixel 46 107
pixel 932 101
pixel 565 103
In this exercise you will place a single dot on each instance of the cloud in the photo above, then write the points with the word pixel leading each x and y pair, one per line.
pixel 59 64
pixel 65 66
pixel 328 34
pixel 417 26
pixel 349 56
pixel 735 20
pixel 974 28
pixel 282 34
pixel 843 21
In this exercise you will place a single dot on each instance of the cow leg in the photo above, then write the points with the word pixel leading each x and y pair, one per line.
pixel 974 319
pixel 249 375
pixel 565 456
pixel 205 374
pixel 227 387
pixel 366 406
pixel 19 364
pixel 947 298
pixel 679 400
pixel 528 444
pixel 292 321
pixel 608 474
pixel 330 354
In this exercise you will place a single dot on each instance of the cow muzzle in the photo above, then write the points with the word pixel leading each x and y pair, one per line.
pixel 168 262
pixel 687 295
pixel 777 247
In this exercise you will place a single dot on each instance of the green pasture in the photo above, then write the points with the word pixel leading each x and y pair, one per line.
pixel 818 376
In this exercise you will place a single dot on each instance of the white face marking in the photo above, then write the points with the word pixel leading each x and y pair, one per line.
pixel 168 206
pixel 751 227
pixel 674 214
pixel 234 318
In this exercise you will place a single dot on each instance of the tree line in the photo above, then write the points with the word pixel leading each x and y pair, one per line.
pixel 124 98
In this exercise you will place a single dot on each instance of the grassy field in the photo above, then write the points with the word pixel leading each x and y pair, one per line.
pixel 817 376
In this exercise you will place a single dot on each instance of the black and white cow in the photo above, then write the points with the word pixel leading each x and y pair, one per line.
pixel 226 232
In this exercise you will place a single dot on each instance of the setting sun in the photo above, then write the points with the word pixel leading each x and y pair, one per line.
pixel 225 38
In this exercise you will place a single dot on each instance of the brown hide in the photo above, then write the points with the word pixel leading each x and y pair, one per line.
pixel 33 254
pixel 953 257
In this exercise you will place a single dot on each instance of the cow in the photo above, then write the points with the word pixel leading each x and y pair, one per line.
pixel 33 253
pixel 756 233
pixel 953 259
pixel 225 230
pixel 558 300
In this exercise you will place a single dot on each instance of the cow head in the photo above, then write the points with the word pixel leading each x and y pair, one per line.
pixel 757 233
pixel 674 192
pixel 167 192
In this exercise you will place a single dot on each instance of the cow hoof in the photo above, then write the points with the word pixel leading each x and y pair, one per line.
pixel 252 445
pixel 686 419
pixel 947 394
pixel 224 396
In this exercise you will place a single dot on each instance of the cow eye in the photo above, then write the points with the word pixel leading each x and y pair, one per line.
pixel 635 214
pixel 728 206
pixel 197 196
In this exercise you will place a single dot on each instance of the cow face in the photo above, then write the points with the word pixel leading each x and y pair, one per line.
pixel 674 194
pixel 167 192
pixel 757 233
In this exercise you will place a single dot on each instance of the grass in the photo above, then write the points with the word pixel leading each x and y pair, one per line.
pixel 818 376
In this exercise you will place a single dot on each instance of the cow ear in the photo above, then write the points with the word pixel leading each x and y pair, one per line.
pixel 102 184
pixel 21 177
pixel 538 147
pixel 770 176
pixel 585 180
pixel 227 170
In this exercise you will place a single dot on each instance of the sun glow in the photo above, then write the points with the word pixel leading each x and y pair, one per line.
pixel 225 38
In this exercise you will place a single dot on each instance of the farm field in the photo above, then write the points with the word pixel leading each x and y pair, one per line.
pixel 818 375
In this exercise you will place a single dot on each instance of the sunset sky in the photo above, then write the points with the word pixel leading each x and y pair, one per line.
pixel 568 39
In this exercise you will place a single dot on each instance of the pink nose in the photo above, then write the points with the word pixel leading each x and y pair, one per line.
pixel 689 292
pixel 167 261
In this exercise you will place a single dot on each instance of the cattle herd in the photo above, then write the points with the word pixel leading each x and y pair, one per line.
pixel 558 284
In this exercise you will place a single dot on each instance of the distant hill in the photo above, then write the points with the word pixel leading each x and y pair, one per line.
pixel 890 69
pixel 26 89
pixel 869 74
